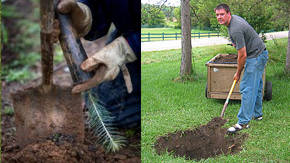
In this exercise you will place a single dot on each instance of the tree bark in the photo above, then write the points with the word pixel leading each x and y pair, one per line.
pixel 186 63
pixel 287 68
pixel 46 18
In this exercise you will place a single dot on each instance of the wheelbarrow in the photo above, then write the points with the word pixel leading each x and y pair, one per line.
pixel 220 76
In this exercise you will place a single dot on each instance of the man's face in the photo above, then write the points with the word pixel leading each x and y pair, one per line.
pixel 223 17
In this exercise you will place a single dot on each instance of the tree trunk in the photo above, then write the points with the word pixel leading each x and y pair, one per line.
pixel 186 63
pixel 287 68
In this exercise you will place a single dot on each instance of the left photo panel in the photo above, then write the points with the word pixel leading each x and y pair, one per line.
pixel 71 81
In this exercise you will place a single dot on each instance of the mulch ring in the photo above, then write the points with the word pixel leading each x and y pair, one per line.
pixel 208 140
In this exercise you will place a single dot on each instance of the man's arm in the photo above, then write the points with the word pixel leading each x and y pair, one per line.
pixel 242 56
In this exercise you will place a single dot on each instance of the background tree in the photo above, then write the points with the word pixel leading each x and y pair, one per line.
pixel 186 62
pixel 177 15
pixel 152 15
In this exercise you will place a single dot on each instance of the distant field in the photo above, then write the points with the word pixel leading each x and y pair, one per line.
pixel 156 34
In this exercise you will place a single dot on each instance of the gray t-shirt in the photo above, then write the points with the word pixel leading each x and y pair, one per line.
pixel 242 34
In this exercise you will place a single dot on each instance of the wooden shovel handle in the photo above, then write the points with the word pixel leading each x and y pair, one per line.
pixel 228 98
pixel 46 33
pixel 73 50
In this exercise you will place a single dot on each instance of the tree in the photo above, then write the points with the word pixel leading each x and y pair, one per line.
pixel 177 14
pixel 152 15
pixel 186 63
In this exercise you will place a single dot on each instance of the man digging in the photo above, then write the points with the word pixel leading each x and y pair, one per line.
pixel 252 56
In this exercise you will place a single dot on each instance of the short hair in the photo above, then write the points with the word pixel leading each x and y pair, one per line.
pixel 223 6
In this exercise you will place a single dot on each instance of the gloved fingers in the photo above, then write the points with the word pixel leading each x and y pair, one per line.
pixel 66 6
pixel 127 78
pixel 102 74
pixel 98 78
pixel 91 64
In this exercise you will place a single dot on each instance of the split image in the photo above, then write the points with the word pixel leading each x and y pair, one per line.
pixel 144 81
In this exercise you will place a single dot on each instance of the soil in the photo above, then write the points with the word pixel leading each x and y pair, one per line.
pixel 230 58
pixel 61 147
pixel 208 140
pixel 41 111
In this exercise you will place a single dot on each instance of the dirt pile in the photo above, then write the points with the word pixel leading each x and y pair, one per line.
pixel 62 148
pixel 230 58
pixel 59 148
pixel 208 140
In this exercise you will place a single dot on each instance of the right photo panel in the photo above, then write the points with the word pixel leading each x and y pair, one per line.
pixel 215 81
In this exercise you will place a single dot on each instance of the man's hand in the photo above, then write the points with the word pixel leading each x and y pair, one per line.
pixel 237 76
pixel 106 63
pixel 80 15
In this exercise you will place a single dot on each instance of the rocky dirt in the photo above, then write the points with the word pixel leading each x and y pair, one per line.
pixel 206 141
pixel 60 148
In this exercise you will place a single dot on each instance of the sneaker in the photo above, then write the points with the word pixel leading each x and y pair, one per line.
pixel 237 127
pixel 258 118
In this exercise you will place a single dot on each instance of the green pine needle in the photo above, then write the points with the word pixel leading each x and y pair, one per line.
pixel 100 121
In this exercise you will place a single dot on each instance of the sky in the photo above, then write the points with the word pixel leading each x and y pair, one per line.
pixel 159 2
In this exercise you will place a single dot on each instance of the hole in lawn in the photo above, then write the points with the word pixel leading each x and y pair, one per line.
pixel 208 140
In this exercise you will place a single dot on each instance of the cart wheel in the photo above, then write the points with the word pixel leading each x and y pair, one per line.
pixel 206 91
pixel 268 91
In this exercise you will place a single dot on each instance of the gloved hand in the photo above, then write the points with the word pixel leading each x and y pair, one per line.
pixel 80 15
pixel 107 63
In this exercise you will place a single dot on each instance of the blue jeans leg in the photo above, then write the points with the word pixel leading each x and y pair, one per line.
pixel 251 88
pixel 258 105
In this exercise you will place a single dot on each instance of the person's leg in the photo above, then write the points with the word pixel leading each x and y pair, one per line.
pixel 249 89
pixel 262 60
pixel 258 104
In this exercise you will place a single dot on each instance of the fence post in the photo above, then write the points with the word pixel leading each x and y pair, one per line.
pixel 162 35
pixel 199 34
pixel 149 36
pixel 208 35
pixel 175 35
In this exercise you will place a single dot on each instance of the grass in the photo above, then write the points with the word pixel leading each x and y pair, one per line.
pixel 168 106
pixel 167 31
pixel 9 111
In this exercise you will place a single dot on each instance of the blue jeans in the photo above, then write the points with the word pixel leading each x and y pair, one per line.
pixel 251 88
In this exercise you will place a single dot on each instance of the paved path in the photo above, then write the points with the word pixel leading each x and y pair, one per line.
pixel 176 44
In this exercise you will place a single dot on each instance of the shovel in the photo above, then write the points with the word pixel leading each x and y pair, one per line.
pixel 228 98
pixel 48 109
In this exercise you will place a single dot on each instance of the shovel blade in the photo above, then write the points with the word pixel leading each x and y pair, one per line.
pixel 42 113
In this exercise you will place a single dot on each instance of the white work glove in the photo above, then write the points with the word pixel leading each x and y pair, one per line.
pixel 80 14
pixel 107 64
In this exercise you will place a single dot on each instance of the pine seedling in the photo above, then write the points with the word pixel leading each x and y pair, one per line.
pixel 101 122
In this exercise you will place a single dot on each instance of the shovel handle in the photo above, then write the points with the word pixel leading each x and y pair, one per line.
pixel 46 17
pixel 228 98
pixel 73 50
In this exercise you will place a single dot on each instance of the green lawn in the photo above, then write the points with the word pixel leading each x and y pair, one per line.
pixel 168 106
pixel 166 31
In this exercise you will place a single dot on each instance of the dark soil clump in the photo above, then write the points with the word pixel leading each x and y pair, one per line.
pixel 208 140
pixel 227 59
